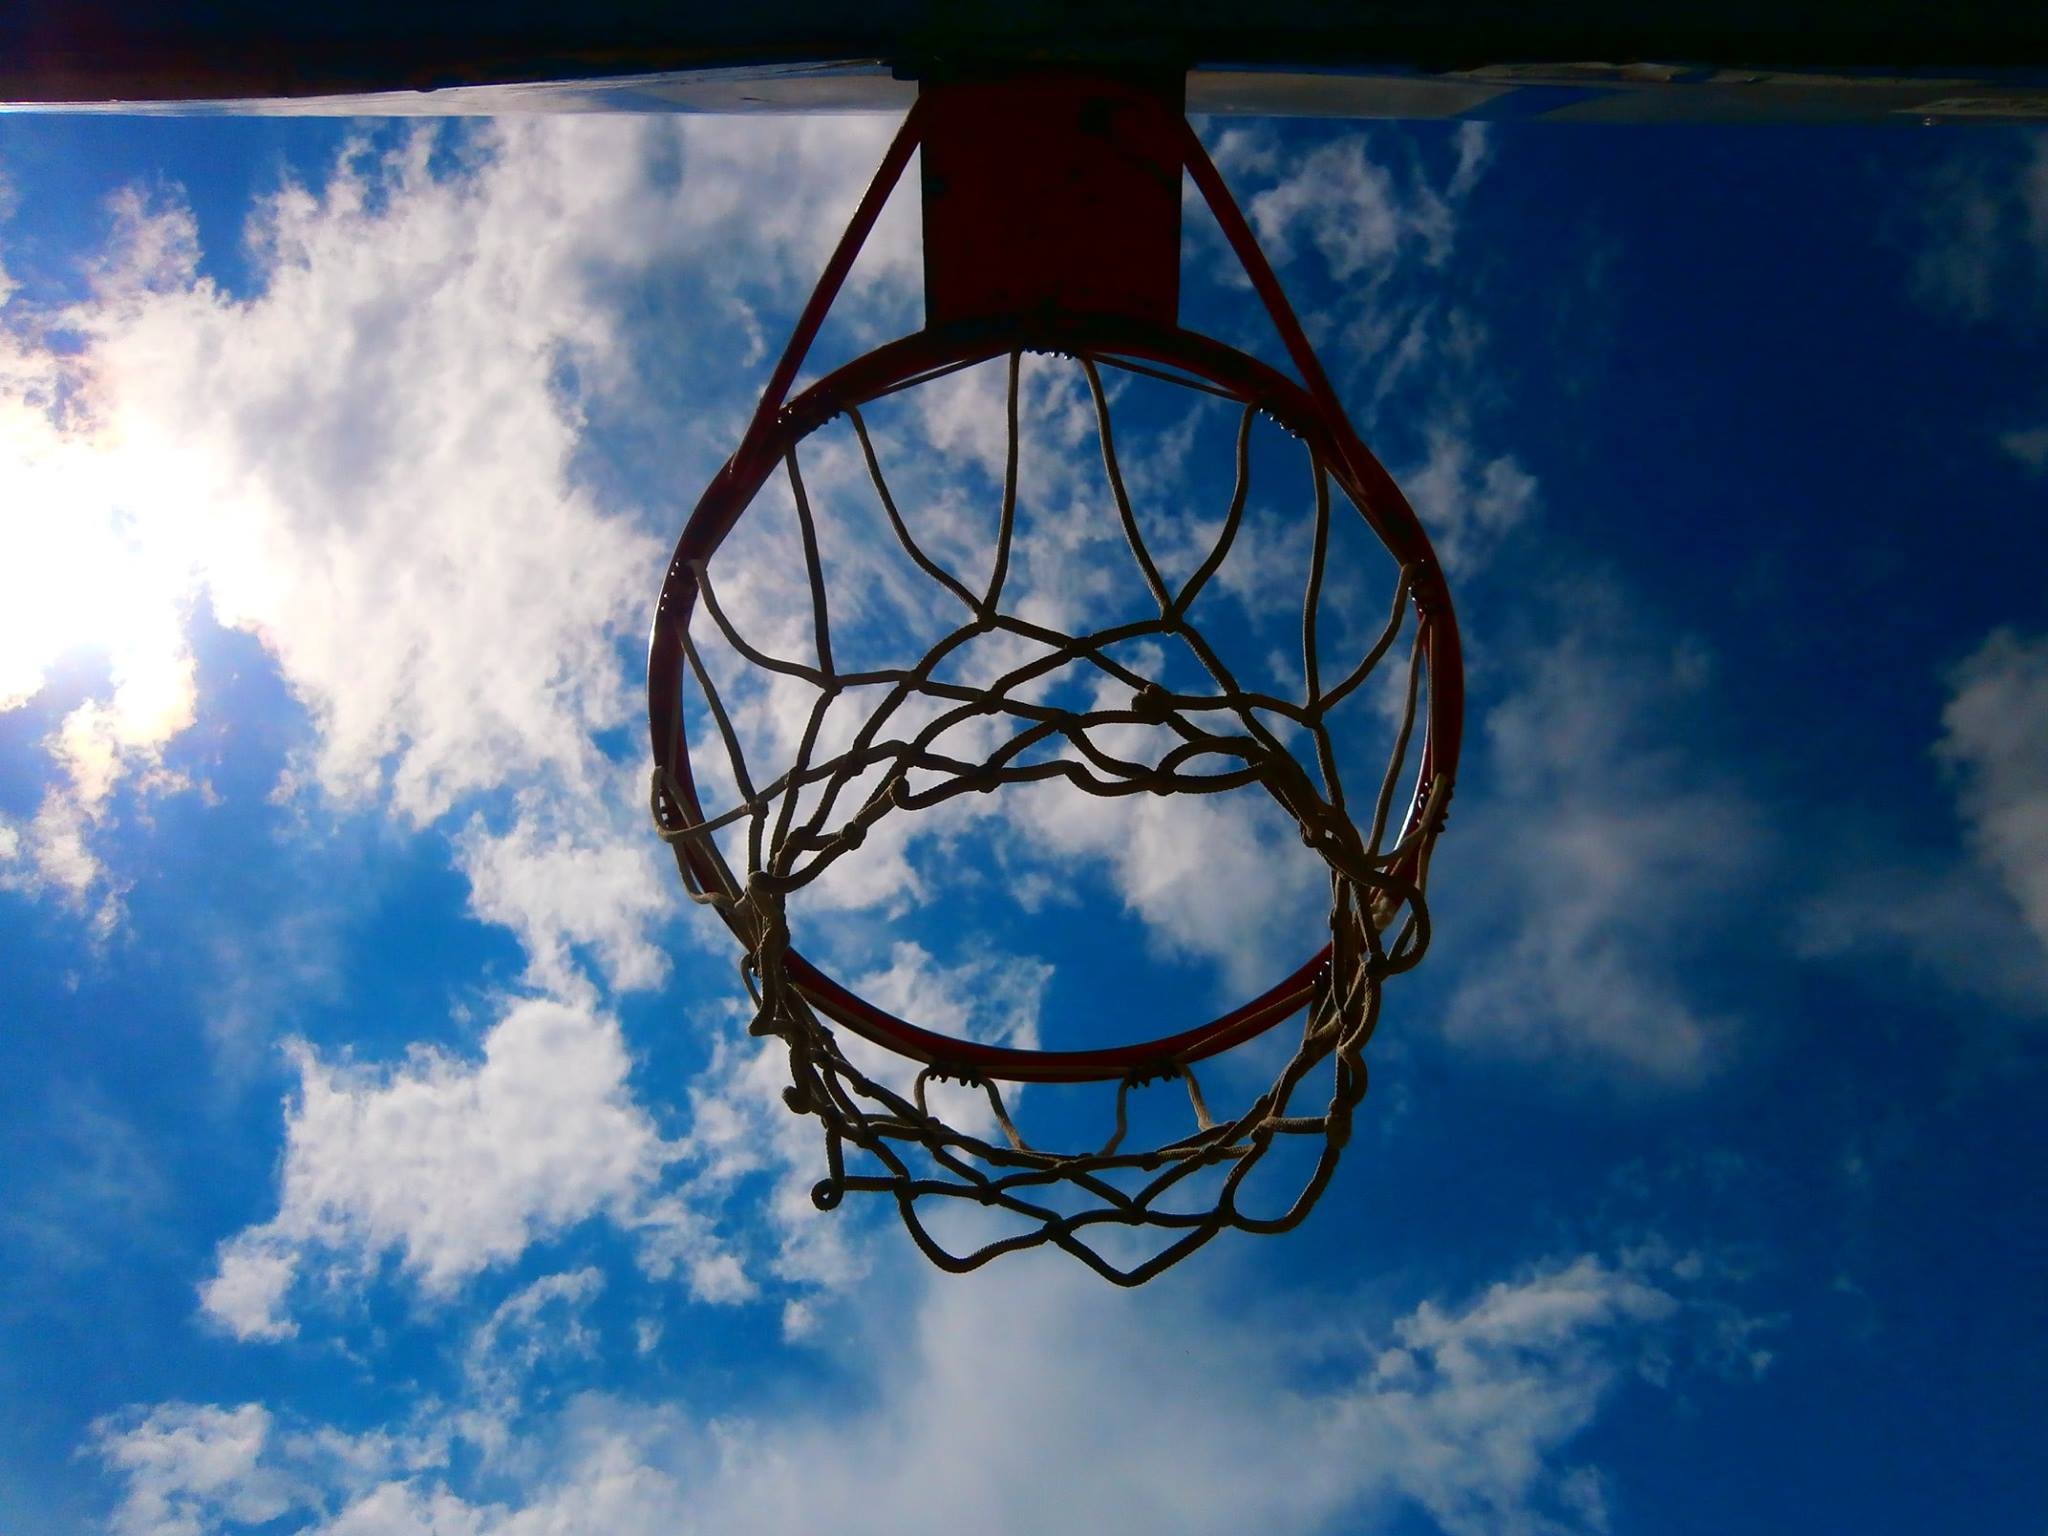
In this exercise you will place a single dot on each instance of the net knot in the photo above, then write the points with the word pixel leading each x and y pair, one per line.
pixel 1338 1125
pixel 1152 704
pixel 1150 1072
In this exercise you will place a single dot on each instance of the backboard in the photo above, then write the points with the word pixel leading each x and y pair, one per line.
pixel 1570 61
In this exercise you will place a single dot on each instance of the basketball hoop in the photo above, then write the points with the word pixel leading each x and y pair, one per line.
pixel 1052 225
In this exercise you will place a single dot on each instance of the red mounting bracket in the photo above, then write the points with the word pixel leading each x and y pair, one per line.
pixel 1052 193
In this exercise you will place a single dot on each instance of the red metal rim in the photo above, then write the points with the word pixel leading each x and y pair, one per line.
pixel 733 489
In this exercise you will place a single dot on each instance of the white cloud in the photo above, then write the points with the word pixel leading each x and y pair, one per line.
pixel 1952 918
pixel 1982 232
pixel 369 460
pixel 677 1234
pixel 451 1165
pixel 1980 249
pixel 1600 858
pixel 1212 877
pixel 1349 204
pixel 189 1469
pixel 1995 742
pixel 1178 1414
pixel 247 1293
pixel 387 499
pixel 51 853
pixel 1382 218
pixel 982 998
pixel 540 1322
pixel 1385 225
pixel 264 973
pixel 1983 256
pixel 2029 446
pixel 1469 1402
pixel 574 874
pixel 1466 501
pixel 1978 924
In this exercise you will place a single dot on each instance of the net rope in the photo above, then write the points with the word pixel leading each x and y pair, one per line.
pixel 1379 923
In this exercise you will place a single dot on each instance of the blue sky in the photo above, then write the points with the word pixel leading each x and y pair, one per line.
pixel 384 1148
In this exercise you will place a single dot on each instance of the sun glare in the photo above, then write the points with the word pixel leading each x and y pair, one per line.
pixel 104 557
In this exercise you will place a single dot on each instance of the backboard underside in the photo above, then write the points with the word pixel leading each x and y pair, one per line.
pixel 1568 60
